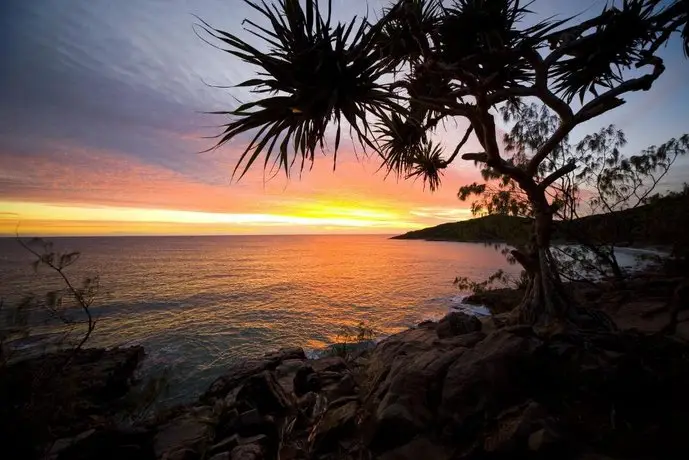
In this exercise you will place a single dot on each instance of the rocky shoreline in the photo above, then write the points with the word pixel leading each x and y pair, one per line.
pixel 460 388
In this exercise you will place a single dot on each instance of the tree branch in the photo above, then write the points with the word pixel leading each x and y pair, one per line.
pixel 601 104
pixel 480 157
pixel 460 145
pixel 558 173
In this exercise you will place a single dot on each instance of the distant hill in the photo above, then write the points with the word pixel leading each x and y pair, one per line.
pixel 659 223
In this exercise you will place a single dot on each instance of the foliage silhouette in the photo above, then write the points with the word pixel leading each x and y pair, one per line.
pixel 460 62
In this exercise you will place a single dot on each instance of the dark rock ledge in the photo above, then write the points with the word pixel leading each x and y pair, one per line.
pixel 457 389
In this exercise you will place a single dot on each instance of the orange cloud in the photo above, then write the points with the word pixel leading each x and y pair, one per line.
pixel 74 191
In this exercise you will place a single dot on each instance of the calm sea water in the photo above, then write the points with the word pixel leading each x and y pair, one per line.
pixel 199 303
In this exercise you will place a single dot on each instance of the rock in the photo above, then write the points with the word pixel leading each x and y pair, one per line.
pixel 284 354
pixel 330 363
pixel 286 372
pixel 227 424
pixel 497 373
pixel 419 448
pixel 225 445
pixel 514 427
pixel 187 435
pixel 264 393
pixel 410 395
pixel 40 401
pixel 221 456
pixel 306 380
pixel 457 323
pixel 252 423
pixel 242 370
pixel 234 377
pixel 346 386
pixel 247 452
pixel 250 418
pixel 337 423
pixel 466 340
pixel 110 444
pixel 543 440
pixel 497 300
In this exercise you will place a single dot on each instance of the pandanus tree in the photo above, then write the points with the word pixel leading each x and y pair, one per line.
pixel 392 83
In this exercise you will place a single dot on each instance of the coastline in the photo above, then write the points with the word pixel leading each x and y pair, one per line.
pixel 461 386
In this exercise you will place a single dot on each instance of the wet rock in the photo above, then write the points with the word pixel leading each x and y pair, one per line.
pixel 284 354
pixel 247 452
pixel 428 324
pixel 457 323
pixel 497 300
pixel 338 422
pixel 185 436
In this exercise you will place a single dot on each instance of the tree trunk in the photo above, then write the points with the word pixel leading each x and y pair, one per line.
pixel 545 301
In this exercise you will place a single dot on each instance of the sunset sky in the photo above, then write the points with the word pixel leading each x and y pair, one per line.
pixel 100 129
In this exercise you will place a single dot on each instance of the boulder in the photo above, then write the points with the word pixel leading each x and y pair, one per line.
pixel 457 323
pixel 188 435
pixel 409 396
pixel 337 423
pixel 515 428
pixel 235 376
pixel 305 380
pixel 483 381
pixel 226 445
pixel 284 354
pixel 329 363
pixel 264 393
pixel 345 386
pixel 286 373
pixel 247 452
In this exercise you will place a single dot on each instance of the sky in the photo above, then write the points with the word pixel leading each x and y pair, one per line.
pixel 101 129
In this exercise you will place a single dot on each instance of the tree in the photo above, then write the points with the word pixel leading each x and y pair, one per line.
pixel 394 81
pixel 601 181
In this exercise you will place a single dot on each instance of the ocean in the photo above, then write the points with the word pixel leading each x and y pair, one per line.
pixel 198 304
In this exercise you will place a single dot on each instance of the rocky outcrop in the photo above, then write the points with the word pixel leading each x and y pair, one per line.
pixel 61 395
pixel 460 388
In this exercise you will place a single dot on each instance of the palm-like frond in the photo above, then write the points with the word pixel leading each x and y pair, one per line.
pixel 409 32
pixel 313 75
pixel 428 164
pixel 406 151
pixel 398 140
pixel 482 38
pixel 598 59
